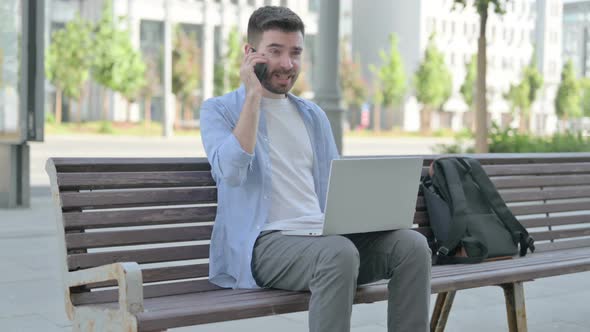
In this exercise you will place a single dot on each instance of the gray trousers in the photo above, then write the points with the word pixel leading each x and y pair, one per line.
pixel 332 266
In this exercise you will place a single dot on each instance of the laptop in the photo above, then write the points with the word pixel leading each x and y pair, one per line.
pixel 369 195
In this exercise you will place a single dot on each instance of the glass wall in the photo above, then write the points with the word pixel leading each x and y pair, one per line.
pixel 10 61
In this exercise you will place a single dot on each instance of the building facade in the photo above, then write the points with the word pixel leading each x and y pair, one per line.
pixel 208 21
pixel 511 40
pixel 576 35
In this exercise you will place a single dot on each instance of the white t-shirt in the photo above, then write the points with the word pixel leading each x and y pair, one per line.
pixel 294 203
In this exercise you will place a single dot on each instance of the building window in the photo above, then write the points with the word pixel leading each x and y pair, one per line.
pixel 493 38
pixel 284 3
pixel 553 37
pixel 252 3
pixel 267 2
pixel 430 25
pixel 552 68
pixel 555 8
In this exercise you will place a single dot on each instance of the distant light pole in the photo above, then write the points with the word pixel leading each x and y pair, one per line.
pixel 168 116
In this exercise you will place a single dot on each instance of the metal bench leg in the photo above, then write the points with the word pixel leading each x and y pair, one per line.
pixel 515 308
pixel 442 308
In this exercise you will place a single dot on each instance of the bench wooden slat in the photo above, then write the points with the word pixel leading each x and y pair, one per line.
pixel 131 198
pixel 130 164
pixel 549 208
pixel 218 296
pixel 562 245
pixel 151 255
pixel 110 180
pixel 556 221
pixel 538 169
pixel 143 217
pixel 149 291
pixel 426 231
pixel 215 312
pixel 421 218
pixel 167 273
pixel 540 181
pixel 512 274
pixel 531 259
pixel 548 194
pixel 560 234
pixel 137 236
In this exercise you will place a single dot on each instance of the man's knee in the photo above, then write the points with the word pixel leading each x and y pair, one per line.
pixel 413 244
pixel 340 253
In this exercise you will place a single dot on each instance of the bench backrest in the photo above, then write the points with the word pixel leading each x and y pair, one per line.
pixel 548 193
pixel 160 212
pixel 156 212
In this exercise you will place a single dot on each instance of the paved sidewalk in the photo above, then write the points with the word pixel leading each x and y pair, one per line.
pixel 31 297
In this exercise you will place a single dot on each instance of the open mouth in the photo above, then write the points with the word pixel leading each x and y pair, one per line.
pixel 283 78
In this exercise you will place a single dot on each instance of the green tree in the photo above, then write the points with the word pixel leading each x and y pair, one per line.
pixel 534 81
pixel 468 87
pixel 567 100
pixel 186 72
pixel 131 79
pixel 67 63
pixel 482 6
pixel 518 98
pixel 227 69
pixel 353 86
pixel 390 83
pixel 117 65
pixel 233 59
pixel 433 83
pixel 218 78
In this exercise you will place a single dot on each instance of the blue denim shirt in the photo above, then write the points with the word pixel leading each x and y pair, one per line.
pixel 244 181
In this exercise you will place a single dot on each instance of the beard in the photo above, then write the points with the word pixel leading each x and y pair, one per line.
pixel 278 88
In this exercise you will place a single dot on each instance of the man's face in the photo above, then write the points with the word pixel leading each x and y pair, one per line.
pixel 283 50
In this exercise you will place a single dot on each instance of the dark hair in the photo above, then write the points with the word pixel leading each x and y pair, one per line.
pixel 270 18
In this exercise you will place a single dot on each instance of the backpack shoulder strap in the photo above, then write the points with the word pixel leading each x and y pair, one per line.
pixel 519 233
pixel 447 180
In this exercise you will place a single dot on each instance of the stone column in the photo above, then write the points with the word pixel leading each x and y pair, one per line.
pixel 327 89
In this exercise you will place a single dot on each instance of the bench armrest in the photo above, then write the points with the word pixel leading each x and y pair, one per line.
pixel 129 282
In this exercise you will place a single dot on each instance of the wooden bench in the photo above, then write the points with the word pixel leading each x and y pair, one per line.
pixel 134 241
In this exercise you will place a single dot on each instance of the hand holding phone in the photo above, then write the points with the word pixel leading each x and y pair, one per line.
pixel 252 75
pixel 260 69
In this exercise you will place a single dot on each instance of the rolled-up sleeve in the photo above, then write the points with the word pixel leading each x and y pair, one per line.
pixel 229 162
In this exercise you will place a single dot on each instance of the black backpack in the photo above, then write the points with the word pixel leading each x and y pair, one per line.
pixel 468 216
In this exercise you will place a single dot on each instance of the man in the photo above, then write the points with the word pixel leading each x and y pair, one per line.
pixel 270 154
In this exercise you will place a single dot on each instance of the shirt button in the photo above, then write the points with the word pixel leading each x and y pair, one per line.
pixel 257 227
pixel 265 197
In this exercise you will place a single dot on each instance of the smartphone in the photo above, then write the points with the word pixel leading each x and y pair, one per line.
pixel 260 69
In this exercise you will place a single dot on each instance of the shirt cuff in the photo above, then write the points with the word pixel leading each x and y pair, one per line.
pixel 238 155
